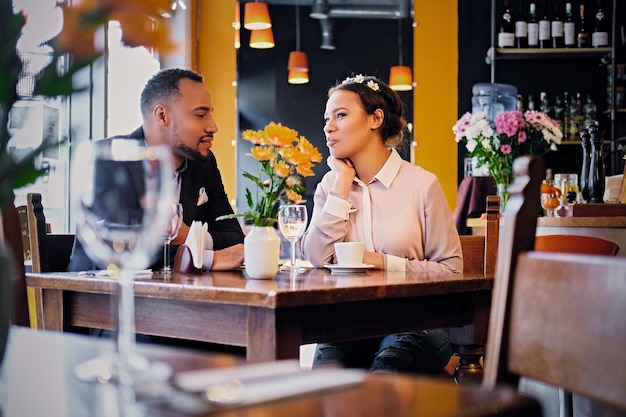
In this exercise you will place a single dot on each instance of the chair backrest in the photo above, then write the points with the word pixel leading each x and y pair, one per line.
pixel 576 244
pixel 479 252
pixel 11 239
pixel 49 252
pixel 557 318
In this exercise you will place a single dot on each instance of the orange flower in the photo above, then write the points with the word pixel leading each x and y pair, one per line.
pixel 263 154
pixel 140 29
pixel 309 150
pixel 279 135
pixel 306 170
pixel 282 169
pixel 256 137
pixel 80 23
pixel 293 196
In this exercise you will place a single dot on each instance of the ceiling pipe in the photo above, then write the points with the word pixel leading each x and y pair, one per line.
pixel 397 11
pixel 327 34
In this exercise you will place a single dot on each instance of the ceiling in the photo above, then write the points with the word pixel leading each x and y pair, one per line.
pixel 367 9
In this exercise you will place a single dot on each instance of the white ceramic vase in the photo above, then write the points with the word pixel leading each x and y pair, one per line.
pixel 261 252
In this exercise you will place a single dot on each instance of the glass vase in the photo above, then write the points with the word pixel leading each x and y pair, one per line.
pixel 503 193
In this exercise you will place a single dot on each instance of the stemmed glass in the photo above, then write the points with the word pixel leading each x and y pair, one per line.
pixel 292 220
pixel 176 220
pixel 123 194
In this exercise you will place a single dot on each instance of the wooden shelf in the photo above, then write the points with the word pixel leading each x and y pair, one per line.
pixel 552 53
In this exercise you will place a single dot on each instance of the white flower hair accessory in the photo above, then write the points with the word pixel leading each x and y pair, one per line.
pixel 359 79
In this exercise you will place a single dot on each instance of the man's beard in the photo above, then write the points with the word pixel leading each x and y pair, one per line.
pixel 183 150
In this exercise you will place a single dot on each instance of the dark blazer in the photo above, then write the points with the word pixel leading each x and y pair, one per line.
pixel 196 175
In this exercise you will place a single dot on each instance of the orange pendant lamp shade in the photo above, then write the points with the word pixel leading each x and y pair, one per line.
pixel 298 77
pixel 256 16
pixel 262 39
pixel 401 78
pixel 298 61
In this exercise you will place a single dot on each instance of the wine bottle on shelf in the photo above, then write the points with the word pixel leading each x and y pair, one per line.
pixel 590 110
pixel 582 36
pixel 573 127
pixel 533 27
pixel 544 104
pixel 556 28
pixel 566 112
pixel 521 28
pixel 600 35
pixel 559 113
pixel 519 104
pixel 506 36
pixel 531 102
pixel 569 28
pixel 544 28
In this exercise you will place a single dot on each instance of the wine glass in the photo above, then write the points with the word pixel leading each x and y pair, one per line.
pixel 176 220
pixel 123 192
pixel 292 220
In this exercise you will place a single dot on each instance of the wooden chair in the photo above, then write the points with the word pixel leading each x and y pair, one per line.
pixel 479 257
pixel 49 252
pixel 11 240
pixel 556 318
pixel 576 244
pixel 579 244
pixel 479 252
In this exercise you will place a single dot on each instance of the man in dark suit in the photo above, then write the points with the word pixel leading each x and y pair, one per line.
pixel 177 110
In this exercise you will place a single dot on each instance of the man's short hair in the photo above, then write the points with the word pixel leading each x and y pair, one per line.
pixel 163 86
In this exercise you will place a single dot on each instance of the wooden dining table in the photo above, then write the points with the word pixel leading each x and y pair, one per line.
pixel 273 318
pixel 37 379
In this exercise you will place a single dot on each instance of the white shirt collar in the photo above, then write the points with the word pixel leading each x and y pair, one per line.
pixel 389 170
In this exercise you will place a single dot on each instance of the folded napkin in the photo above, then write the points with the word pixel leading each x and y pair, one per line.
pixel 189 255
pixel 113 273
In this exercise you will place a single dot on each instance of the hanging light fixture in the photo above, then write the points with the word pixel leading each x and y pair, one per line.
pixel 400 76
pixel 256 16
pixel 298 77
pixel 262 39
pixel 237 25
pixel 298 65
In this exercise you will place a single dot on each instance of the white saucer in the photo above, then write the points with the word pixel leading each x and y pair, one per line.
pixel 348 269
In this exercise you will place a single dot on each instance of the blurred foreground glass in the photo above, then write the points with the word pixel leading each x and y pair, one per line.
pixel 123 196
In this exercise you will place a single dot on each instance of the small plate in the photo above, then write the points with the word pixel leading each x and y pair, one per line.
pixel 348 269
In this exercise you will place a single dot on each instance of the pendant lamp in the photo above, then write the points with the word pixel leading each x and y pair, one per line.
pixel 298 77
pixel 298 65
pixel 262 39
pixel 237 25
pixel 400 76
pixel 256 16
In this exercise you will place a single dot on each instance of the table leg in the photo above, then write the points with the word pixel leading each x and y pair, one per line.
pixel 271 336
pixel 49 309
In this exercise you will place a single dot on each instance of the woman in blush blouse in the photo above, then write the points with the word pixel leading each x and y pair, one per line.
pixel 396 208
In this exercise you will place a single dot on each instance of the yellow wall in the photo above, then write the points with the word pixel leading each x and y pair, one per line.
pixel 435 69
pixel 216 59
pixel 436 96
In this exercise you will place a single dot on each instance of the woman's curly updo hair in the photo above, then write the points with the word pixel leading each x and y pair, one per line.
pixel 375 94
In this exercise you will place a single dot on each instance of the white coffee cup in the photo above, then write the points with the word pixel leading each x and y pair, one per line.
pixel 349 253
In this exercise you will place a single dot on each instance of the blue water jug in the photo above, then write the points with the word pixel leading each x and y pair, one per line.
pixel 493 98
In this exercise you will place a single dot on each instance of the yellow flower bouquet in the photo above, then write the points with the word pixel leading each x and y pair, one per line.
pixel 285 157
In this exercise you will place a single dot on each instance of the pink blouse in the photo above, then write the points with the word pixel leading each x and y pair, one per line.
pixel 401 213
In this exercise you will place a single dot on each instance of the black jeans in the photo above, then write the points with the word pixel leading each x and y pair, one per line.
pixel 423 352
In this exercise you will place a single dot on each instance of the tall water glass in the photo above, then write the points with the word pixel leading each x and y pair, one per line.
pixel 123 195
pixel 292 220
pixel 176 220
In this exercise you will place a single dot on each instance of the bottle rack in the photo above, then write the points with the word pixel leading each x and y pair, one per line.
pixel 605 55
